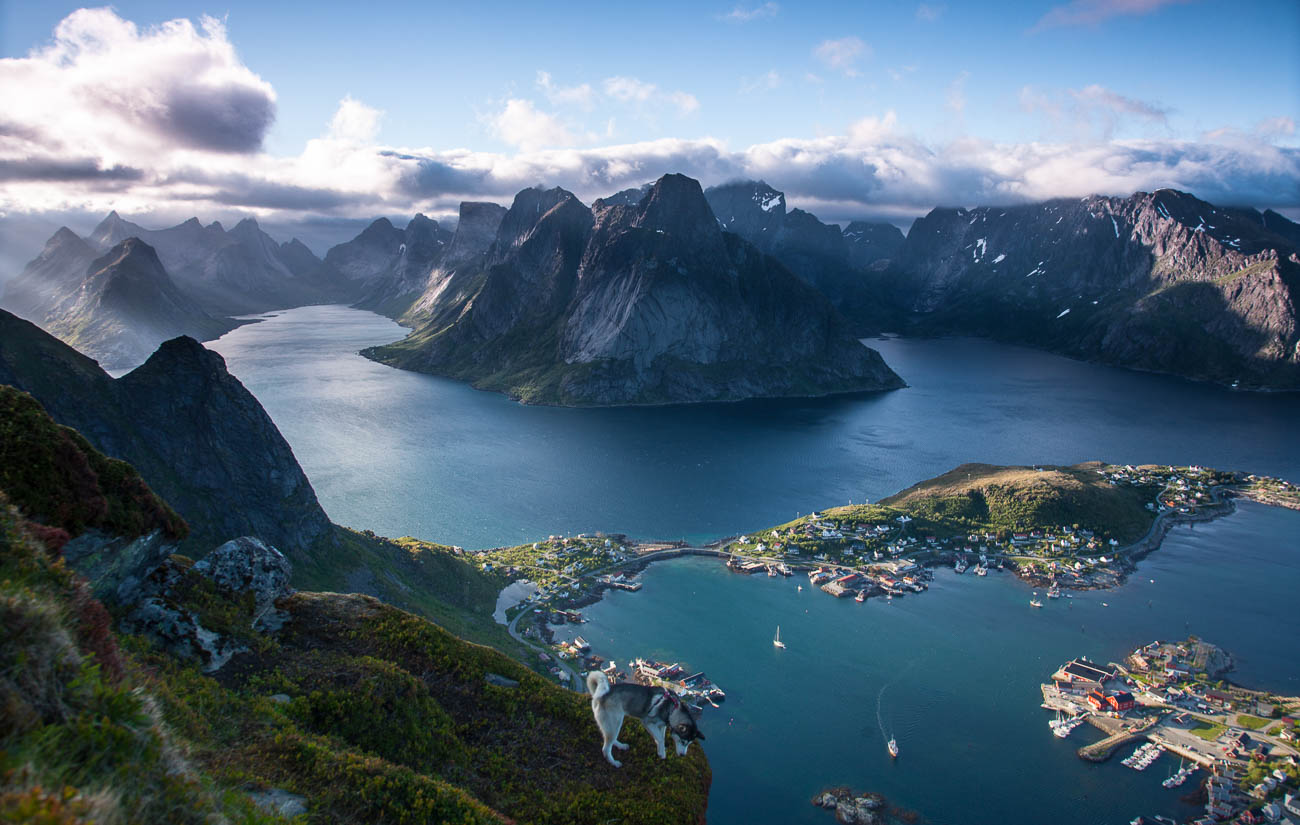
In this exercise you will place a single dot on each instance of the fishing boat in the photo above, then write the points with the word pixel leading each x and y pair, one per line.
pixel 960 566
pixel 861 597
pixel 981 570
pixel 777 641
pixel 1054 592
pixel 800 588
pixel 1035 603
pixel 893 748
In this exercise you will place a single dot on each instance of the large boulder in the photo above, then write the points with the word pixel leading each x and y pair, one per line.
pixel 178 631
pixel 249 565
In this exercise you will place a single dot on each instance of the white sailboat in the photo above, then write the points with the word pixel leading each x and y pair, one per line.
pixel 777 641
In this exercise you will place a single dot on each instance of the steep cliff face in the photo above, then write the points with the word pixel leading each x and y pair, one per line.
pixel 1158 281
pixel 196 435
pixel 391 266
pixel 644 303
pixel 126 306
pixel 458 275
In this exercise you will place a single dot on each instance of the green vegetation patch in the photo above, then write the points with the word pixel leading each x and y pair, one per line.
pixel 1209 731
pixel 1251 722
pixel 57 479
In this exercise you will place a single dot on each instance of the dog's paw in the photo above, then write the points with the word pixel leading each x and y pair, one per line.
pixel 615 762
pixel 622 745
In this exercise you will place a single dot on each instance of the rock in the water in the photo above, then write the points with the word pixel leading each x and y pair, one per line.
pixel 248 565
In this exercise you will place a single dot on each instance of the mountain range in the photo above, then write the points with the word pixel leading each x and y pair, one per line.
pixel 580 307
pixel 1157 281
pixel 641 303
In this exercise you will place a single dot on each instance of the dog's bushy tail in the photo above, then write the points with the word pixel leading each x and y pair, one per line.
pixel 597 684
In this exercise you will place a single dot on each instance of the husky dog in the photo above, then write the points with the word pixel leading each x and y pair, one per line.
pixel 659 710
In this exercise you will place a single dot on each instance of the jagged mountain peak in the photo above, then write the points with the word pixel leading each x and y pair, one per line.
pixel 530 209
pixel 675 205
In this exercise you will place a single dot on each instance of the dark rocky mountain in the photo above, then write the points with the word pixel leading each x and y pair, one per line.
pixel 390 266
pixel 872 243
pixel 231 273
pixel 826 257
pixel 126 306
pixel 636 304
pixel 1157 281
pixel 458 275
pixel 196 435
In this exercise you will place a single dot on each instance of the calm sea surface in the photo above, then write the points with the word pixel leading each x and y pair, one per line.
pixel 408 454
pixel 953 673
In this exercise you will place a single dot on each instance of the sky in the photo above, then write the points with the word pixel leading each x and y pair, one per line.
pixel 332 113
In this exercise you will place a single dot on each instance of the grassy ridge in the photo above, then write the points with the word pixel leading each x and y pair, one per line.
pixel 990 497
pixel 389 717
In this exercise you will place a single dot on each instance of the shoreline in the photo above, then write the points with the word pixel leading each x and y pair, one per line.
pixel 1126 558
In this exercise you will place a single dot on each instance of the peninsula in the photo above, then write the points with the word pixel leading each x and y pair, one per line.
pixel 1061 528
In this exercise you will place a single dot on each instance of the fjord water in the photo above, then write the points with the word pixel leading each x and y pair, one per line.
pixel 952 673
pixel 959 666
pixel 408 454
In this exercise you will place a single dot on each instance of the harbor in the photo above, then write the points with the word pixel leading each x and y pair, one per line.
pixel 1162 698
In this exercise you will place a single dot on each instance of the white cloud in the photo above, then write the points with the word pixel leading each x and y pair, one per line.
pixel 1092 12
pixel 842 55
pixel 927 13
pixel 355 121
pixel 522 124
pixel 899 73
pixel 765 82
pixel 126 95
pixel 744 14
pixel 685 103
pixel 628 89
pixel 78 152
pixel 1093 108
pixel 581 95
pixel 957 94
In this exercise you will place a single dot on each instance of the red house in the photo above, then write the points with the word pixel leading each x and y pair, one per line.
pixel 1118 701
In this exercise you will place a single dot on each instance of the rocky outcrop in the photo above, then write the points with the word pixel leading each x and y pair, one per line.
pixel 243 571
pixel 636 304
pixel 247 565
pixel 1157 281
pixel 195 434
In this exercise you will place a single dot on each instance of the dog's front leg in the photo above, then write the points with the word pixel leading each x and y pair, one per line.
pixel 657 731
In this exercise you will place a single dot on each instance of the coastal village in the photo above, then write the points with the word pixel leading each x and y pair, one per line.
pixel 888 550
pixel 1240 744
pixel 1168 698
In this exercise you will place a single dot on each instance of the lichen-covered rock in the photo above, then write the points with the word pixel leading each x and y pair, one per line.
pixel 178 631
pixel 117 567
pixel 248 565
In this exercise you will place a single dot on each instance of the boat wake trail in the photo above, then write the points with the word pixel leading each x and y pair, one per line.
pixel 880 699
